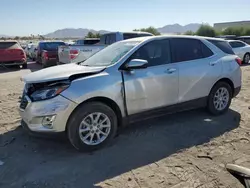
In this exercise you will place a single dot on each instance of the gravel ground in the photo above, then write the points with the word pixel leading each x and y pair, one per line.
pixel 188 149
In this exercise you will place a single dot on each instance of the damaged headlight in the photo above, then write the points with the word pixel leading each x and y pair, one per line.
pixel 48 92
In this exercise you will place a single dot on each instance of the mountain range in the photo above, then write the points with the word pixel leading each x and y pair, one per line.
pixel 82 32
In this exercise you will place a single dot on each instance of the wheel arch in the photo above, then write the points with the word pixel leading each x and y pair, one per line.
pixel 227 80
pixel 245 56
pixel 107 101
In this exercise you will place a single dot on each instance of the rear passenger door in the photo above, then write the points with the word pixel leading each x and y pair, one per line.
pixel 198 68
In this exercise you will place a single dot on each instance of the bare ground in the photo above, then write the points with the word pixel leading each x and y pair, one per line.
pixel 188 149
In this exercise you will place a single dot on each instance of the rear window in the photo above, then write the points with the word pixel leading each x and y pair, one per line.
pixel 9 45
pixel 134 35
pixel 90 42
pixel 79 42
pixel 223 45
pixel 51 45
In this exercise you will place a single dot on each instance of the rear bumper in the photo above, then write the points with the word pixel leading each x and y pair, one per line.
pixel 236 91
pixel 11 63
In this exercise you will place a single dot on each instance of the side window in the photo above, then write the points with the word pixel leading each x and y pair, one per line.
pixel 206 52
pixel 240 44
pixel 186 49
pixel 237 44
pixel 233 44
pixel 155 52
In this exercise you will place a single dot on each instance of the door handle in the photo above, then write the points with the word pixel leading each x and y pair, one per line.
pixel 212 63
pixel 170 70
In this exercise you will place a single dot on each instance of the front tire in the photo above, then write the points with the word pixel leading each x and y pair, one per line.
pixel 92 126
pixel 44 64
pixel 219 98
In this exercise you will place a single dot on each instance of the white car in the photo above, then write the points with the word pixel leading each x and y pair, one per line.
pixel 241 49
pixel 33 51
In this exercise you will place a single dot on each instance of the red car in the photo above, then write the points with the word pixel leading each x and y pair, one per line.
pixel 47 53
pixel 11 53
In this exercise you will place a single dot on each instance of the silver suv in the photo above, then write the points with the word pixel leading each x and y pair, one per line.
pixel 129 81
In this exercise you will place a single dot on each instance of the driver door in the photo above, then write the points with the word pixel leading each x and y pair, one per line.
pixel 155 86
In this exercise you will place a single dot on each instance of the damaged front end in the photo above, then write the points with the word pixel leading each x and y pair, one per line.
pixel 47 90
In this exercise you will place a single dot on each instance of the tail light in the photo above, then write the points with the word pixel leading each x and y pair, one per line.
pixel 46 55
pixel 238 60
pixel 22 53
pixel 73 53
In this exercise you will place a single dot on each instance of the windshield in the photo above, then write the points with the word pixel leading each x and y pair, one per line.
pixel 52 45
pixel 111 54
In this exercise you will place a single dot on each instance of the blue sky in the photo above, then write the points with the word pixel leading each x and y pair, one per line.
pixel 25 17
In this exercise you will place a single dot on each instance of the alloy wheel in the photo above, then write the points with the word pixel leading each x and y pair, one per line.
pixel 221 99
pixel 94 128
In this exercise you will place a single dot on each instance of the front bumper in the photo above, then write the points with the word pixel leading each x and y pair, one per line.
pixel 34 114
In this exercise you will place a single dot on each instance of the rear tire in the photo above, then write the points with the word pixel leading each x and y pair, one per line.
pixel 89 121
pixel 246 58
pixel 44 64
pixel 219 98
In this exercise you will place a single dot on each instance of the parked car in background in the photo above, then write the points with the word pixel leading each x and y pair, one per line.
pixel 27 49
pixel 11 53
pixel 241 49
pixel 81 52
pixel 128 81
pixel 47 53
pixel 245 39
pixel 33 52
pixel 228 37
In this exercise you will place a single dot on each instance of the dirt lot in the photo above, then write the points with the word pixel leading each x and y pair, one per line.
pixel 188 149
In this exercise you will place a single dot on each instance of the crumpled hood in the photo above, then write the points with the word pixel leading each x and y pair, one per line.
pixel 61 72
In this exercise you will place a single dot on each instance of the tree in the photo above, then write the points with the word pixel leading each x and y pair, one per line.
pixel 206 30
pixel 93 35
pixel 150 29
pixel 17 38
pixel 189 33
pixel 238 31
pixel 98 35
pixel 247 31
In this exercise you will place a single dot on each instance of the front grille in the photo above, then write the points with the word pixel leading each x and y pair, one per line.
pixel 24 102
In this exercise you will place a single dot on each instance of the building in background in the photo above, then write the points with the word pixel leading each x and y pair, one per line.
pixel 223 26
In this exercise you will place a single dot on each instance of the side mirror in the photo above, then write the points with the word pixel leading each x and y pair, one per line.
pixel 136 64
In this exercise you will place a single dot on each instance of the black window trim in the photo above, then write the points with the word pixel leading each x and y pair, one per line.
pixel 173 56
